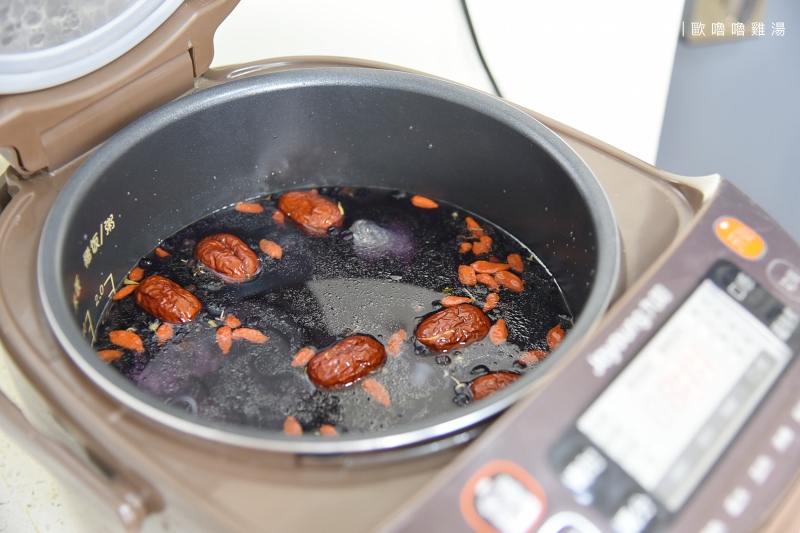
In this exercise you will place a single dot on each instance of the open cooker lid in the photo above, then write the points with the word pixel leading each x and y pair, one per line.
pixel 46 44
pixel 78 84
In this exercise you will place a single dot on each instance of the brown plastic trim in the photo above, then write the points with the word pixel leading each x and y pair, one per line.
pixel 46 129
pixel 79 463
pixel 123 499
pixel 784 516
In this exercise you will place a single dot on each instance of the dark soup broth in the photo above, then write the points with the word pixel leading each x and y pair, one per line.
pixel 332 311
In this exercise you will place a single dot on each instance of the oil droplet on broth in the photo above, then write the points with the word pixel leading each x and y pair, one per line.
pixel 387 267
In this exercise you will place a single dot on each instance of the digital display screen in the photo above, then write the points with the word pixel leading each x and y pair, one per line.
pixel 674 409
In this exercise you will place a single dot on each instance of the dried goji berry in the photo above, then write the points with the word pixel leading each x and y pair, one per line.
pixel 126 339
pixel 302 357
pixel 124 291
pixel 246 207
pixel 489 281
pixel 377 391
pixel 515 262
pixel 475 229
pixel 395 344
pixel 532 356
pixel 492 299
pixel 271 248
pixel 466 275
pixel 423 202
pixel 554 337
pixel 509 280
pixel 232 322
pixel 488 267
pixel 292 427
pixel 327 430
pixel 109 355
pixel 225 339
pixel 482 246
pixel 164 333
pixel 450 301
pixel 136 274
pixel 498 333
pixel 249 334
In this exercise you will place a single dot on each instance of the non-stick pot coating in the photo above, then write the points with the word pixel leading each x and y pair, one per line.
pixel 318 127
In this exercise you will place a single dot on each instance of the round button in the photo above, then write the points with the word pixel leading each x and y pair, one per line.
pixel 502 497
pixel 740 238
pixel 785 277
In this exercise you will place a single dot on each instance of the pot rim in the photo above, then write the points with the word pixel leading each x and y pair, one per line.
pixel 62 320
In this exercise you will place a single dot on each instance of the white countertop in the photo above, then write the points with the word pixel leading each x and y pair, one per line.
pixel 603 68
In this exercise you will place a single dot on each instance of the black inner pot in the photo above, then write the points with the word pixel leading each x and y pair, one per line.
pixel 321 127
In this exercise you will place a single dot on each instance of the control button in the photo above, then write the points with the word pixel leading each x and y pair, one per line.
pixel 584 469
pixel 761 468
pixel 502 497
pixel 568 522
pixel 715 526
pixel 737 501
pixel 785 324
pixel 785 277
pixel 783 438
pixel 635 514
pixel 741 287
pixel 740 238
pixel 796 412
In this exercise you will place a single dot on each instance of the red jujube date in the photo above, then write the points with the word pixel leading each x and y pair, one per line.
pixel 346 362
pixel 228 256
pixel 453 327
pixel 313 213
pixel 488 384
pixel 166 300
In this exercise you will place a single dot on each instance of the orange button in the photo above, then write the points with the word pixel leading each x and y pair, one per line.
pixel 740 238
pixel 502 496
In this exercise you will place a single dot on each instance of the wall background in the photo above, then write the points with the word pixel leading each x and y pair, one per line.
pixel 733 108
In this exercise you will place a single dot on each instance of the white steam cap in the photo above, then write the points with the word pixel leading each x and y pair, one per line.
pixel 45 43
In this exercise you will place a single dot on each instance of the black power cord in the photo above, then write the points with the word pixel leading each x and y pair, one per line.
pixel 478 48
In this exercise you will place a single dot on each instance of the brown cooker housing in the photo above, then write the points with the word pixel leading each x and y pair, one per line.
pixel 302 128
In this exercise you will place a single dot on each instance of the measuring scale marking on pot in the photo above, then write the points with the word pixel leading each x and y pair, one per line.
pixel 147 468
